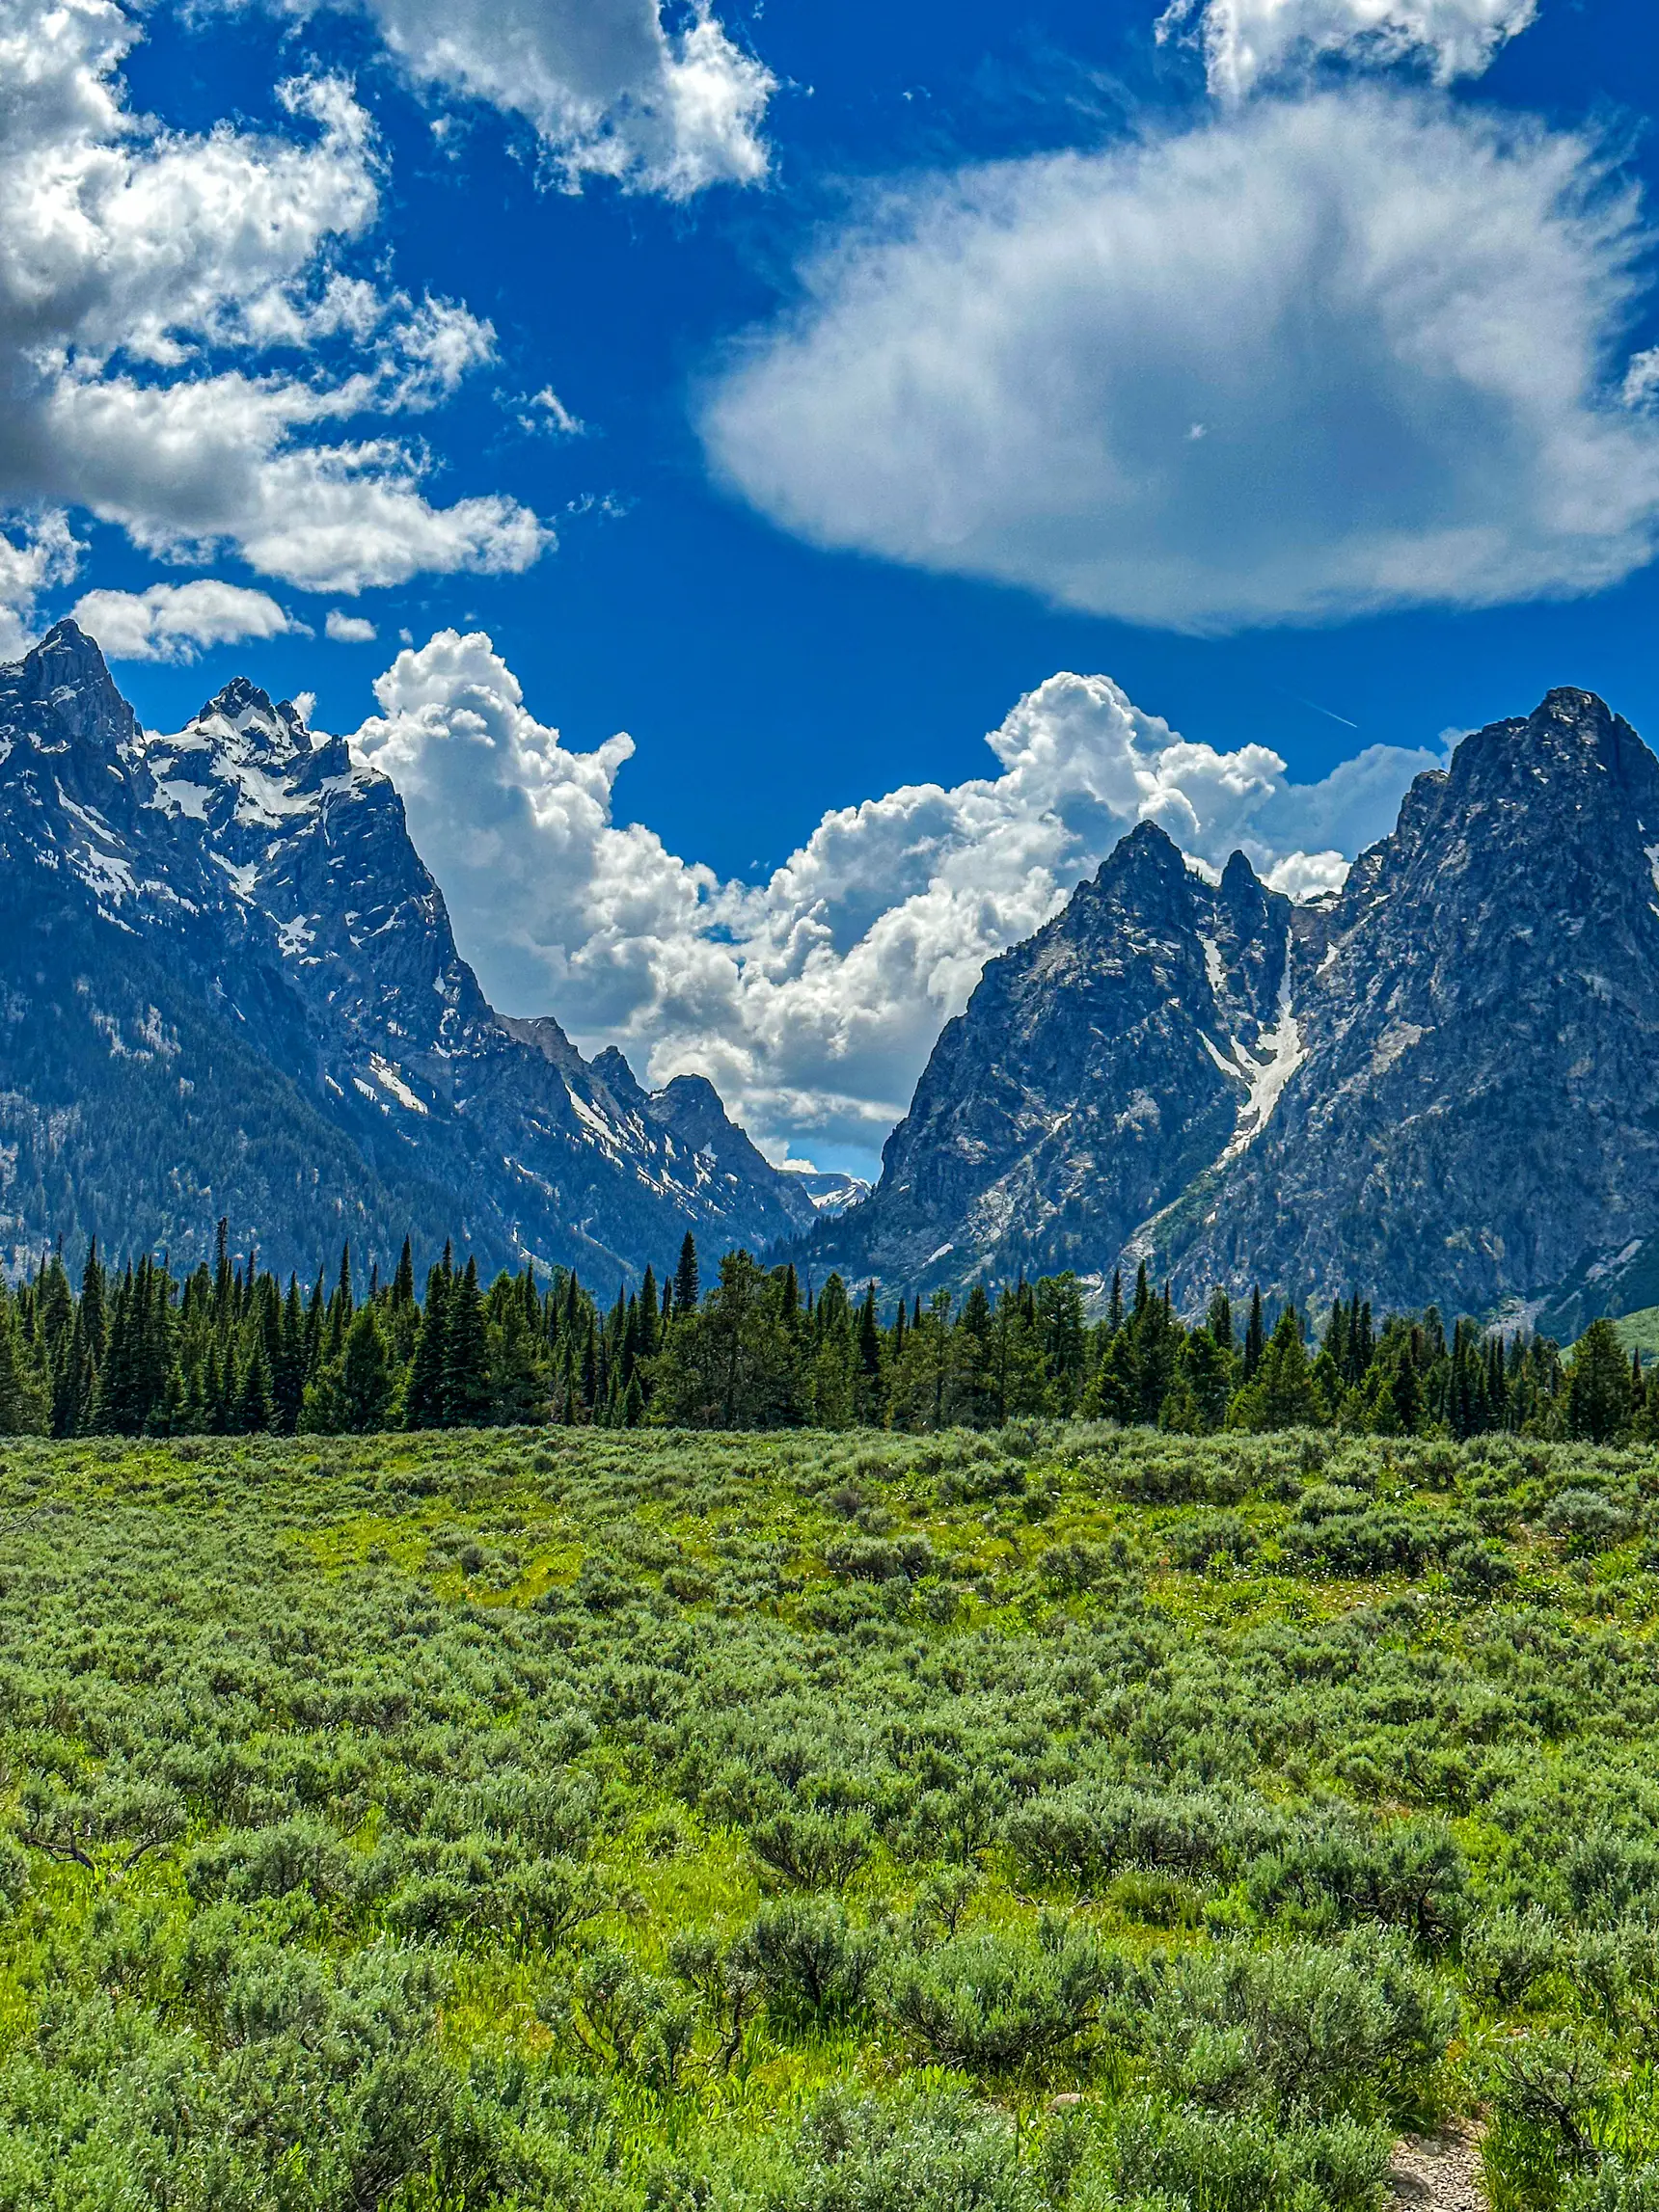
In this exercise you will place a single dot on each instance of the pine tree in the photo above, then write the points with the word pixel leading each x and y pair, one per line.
pixel 520 1369
pixel 116 1407
pixel 93 1311
pixel 1255 1337
pixel 340 1308
pixel 686 1277
pixel 222 1284
pixel 75 1384
pixel 465 1354
pixel 365 1380
pixel 252 1413
pixel 1598 1401
pixel 23 1408
pixel 315 1322
pixel 288 1367
pixel 1282 1394
pixel 213 1395
pixel 424 1401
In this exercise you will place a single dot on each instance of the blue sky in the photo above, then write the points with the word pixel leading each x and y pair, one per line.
pixel 836 366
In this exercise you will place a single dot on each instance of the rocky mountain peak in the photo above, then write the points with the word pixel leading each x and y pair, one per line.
pixel 613 1071
pixel 1437 1085
pixel 1238 880
pixel 62 687
pixel 1147 862
pixel 242 719
pixel 224 940
pixel 1569 749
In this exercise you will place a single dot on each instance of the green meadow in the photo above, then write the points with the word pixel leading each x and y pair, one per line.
pixel 1061 1815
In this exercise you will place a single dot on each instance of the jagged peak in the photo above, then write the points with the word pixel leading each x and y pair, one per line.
pixel 613 1071
pixel 1572 731
pixel 1565 702
pixel 1147 846
pixel 67 642
pixel 694 1110
pixel 274 732
pixel 692 1091
pixel 1238 880
pixel 67 670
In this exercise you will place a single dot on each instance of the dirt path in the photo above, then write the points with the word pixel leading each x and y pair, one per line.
pixel 1438 2172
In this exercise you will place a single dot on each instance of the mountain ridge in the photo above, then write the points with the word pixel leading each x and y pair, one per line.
pixel 1452 1093
pixel 261 887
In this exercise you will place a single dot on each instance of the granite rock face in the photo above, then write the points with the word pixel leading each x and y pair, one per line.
pixel 1100 1068
pixel 229 986
pixel 1442 1084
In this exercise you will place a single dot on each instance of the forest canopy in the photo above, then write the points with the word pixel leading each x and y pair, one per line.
pixel 230 1351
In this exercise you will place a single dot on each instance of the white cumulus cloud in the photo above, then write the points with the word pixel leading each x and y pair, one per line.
pixel 1397 322
pixel 611 90
pixel 812 1000
pixel 1247 42
pixel 175 621
pixel 608 86
pixel 156 287
pixel 39 550
pixel 349 629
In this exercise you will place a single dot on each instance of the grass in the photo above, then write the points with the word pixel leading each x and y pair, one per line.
pixel 632 1820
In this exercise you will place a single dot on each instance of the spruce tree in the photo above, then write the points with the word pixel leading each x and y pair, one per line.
pixel 423 1404
pixel 520 1381
pixel 288 1368
pixel 365 1380
pixel 23 1409
pixel 1255 1337
pixel 1282 1394
pixel 253 1412
pixel 869 1335
pixel 686 1277
pixel 222 1286
pixel 1598 1398
pixel 93 1311
pixel 465 1354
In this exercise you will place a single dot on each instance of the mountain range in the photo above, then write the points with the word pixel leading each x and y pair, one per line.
pixel 228 986
pixel 1440 1084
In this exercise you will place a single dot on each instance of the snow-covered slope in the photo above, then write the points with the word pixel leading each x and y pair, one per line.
pixel 266 882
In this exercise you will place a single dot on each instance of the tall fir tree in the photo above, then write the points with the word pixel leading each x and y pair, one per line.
pixel 685 1292
pixel 424 1404
pixel 466 1353
pixel 1255 1336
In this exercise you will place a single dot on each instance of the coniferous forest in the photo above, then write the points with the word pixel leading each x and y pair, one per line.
pixel 232 1351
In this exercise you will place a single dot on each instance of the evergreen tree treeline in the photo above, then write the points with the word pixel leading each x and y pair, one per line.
pixel 229 1351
